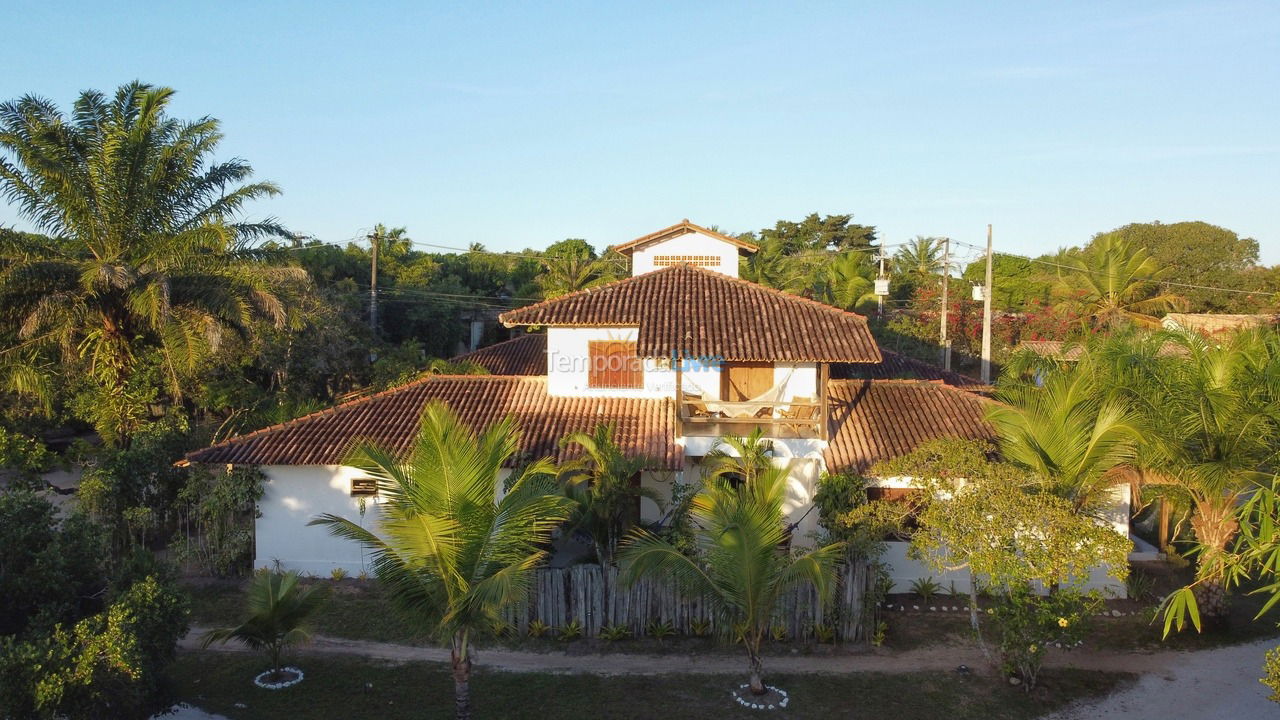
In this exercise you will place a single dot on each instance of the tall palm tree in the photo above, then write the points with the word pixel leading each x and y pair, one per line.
pixel 563 274
pixel 1214 414
pixel 739 566
pixel 141 245
pixel 1068 432
pixel 448 551
pixel 1113 282
pixel 278 607
pixel 392 242
pixel 600 484
pixel 920 258
pixel 739 459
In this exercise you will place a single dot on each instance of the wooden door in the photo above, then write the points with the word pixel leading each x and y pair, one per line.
pixel 742 381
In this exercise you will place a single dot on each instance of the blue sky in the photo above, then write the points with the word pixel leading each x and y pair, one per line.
pixel 520 124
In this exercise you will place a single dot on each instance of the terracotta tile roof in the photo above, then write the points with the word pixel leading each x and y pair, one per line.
pixel 683 227
pixel 1216 323
pixel 644 426
pixel 896 366
pixel 875 420
pixel 523 355
pixel 1053 349
pixel 701 313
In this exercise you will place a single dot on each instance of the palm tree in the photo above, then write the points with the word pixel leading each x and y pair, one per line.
pixel 392 242
pixel 449 552
pixel 1068 433
pixel 278 606
pixel 847 281
pixel 140 248
pixel 739 566
pixel 600 484
pixel 920 258
pixel 1214 414
pixel 738 459
pixel 564 274
pixel 1115 282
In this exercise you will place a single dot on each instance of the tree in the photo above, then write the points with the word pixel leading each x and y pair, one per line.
pixel 815 232
pixel 1197 253
pixel 605 487
pixel 738 565
pixel 144 248
pixel 1068 433
pixel 278 606
pixel 1115 282
pixel 920 259
pixel 1018 284
pixel 1214 414
pixel 450 554
pixel 846 281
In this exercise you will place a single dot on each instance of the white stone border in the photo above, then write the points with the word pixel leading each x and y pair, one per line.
pixel 280 685
pixel 737 697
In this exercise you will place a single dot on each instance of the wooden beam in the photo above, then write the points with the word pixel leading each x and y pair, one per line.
pixel 824 415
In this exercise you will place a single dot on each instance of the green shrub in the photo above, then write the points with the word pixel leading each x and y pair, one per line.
pixel 878 637
pixel 571 631
pixel 660 630
pixel 1027 623
pixel 778 633
pixel 700 627
pixel 537 629
pixel 926 588
pixel 824 633
pixel 338 574
pixel 613 633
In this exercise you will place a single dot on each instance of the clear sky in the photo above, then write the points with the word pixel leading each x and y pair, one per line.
pixel 519 124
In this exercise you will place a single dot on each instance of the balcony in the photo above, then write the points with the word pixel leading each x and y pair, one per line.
pixel 799 417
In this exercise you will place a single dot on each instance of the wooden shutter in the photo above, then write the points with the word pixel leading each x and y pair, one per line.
pixel 614 364
pixel 741 381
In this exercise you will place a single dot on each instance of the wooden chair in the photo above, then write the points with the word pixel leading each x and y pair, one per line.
pixel 807 410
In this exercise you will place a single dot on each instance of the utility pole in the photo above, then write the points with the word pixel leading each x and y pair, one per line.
pixel 880 277
pixel 373 282
pixel 946 276
pixel 986 317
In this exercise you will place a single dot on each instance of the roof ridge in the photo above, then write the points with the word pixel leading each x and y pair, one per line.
pixel 692 227
pixel 584 291
pixel 522 338
pixel 783 293
pixel 423 380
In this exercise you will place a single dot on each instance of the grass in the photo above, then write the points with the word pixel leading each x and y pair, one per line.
pixel 336 687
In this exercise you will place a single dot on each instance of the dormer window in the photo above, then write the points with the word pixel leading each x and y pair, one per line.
pixel 614 365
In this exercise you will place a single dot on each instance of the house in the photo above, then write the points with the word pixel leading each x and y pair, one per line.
pixel 674 356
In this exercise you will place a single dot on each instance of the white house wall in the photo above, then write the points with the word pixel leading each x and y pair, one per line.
pixel 292 496
pixel 693 243
pixel 568 364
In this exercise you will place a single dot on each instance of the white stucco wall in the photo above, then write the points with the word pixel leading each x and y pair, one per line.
pixel 568 364
pixel 292 496
pixel 694 243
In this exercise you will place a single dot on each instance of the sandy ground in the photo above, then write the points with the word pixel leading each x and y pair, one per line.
pixel 1206 684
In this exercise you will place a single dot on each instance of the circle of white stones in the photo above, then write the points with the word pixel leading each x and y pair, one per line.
pixel 737 697
pixel 260 682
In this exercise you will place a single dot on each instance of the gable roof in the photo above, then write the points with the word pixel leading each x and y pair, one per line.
pixel 896 366
pixel 684 227
pixel 689 311
pixel 523 355
pixel 876 420
pixel 644 426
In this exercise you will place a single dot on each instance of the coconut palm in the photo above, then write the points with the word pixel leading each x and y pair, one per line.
pixel 278 606
pixel 738 459
pixel 449 552
pixel 738 564
pixel 1214 414
pixel 1067 432
pixel 564 274
pixel 601 485
pixel 1113 282
pixel 140 246
pixel 920 257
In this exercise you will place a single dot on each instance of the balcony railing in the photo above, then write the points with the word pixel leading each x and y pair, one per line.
pixel 797 417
